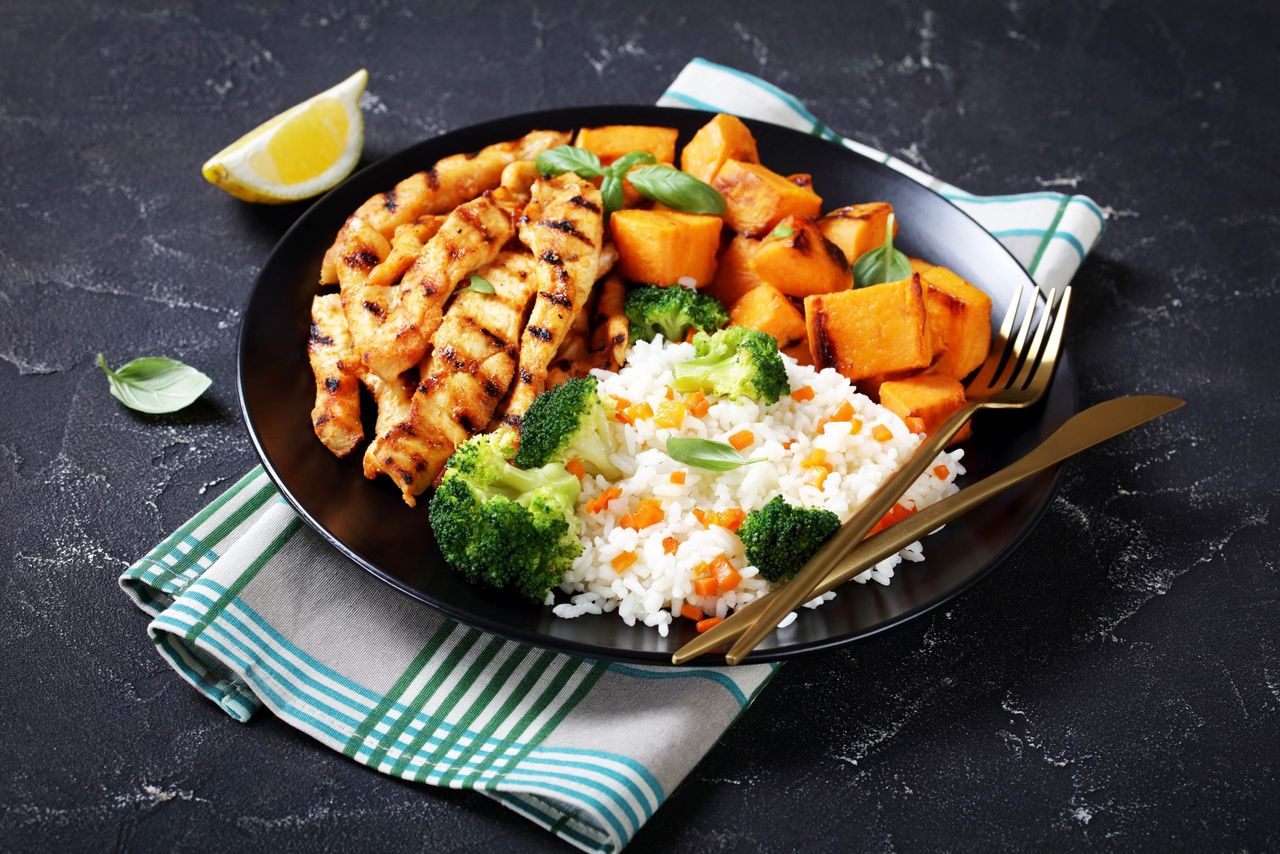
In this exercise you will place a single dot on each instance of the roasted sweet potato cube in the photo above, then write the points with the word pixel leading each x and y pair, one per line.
pixel 768 309
pixel 723 138
pixel 857 228
pixel 796 259
pixel 661 247
pixel 870 332
pixel 800 352
pixel 919 266
pixel 757 198
pixel 930 397
pixel 612 141
pixel 959 322
pixel 733 275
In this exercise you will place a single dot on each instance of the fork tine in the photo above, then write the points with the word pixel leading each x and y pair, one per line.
pixel 987 373
pixel 1031 360
pixel 1044 372
pixel 1018 350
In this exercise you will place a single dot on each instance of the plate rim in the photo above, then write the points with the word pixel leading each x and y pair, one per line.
pixel 1064 371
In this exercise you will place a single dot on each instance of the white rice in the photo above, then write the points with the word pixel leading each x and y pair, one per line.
pixel 652 590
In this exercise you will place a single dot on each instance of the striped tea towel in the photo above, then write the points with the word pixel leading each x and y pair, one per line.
pixel 254 609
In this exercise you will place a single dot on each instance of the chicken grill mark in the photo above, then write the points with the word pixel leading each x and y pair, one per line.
pixel 438 190
pixel 472 362
pixel 566 237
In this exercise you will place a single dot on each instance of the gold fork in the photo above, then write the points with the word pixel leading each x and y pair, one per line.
pixel 1014 376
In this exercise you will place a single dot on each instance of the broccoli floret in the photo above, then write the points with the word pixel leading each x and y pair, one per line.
pixel 737 362
pixel 781 538
pixel 672 311
pixel 570 420
pixel 503 526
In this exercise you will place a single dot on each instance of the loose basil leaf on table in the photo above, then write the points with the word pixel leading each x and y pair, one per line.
pixel 707 453
pixel 155 384
pixel 677 190
pixel 567 158
pixel 882 264
pixel 480 285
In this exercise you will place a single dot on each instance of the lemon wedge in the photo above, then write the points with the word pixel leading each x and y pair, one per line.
pixel 300 153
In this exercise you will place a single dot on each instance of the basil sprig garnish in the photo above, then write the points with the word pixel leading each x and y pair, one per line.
pixel 707 453
pixel 566 158
pixel 781 231
pixel 665 184
pixel 882 264
pixel 155 384
pixel 677 190
pixel 585 164
pixel 611 186
pixel 480 285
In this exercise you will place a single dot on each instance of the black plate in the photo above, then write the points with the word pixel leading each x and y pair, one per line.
pixel 367 521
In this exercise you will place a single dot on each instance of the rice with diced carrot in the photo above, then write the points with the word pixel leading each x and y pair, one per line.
pixel 655 540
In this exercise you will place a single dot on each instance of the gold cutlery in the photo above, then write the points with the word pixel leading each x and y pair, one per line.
pixel 1014 376
pixel 1081 431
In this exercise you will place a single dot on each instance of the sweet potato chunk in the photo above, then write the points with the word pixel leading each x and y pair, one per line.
pixel 857 228
pixel 870 332
pixel 800 352
pixel 660 247
pixel 733 275
pixel 802 262
pixel 757 198
pixel 768 309
pixel 612 141
pixel 930 397
pixel 919 265
pixel 723 138
pixel 959 322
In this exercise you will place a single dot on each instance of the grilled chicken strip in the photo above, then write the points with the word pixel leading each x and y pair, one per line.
pixel 441 188
pixel 362 250
pixel 405 246
pixel 471 237
pixel 336 416
pixel 611 329
pixel 572 359
pixel 473 358
pixel 518 179
pixel 392 399
pixel 563 227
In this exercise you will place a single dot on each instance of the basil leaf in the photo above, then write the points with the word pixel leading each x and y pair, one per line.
pixel 707 453
pixel 783 231
pixel 623 164
pixel 155 384
pixel 677 190
pixel 611 194
pixel 480 285
pixel 566 158
pixel 882 264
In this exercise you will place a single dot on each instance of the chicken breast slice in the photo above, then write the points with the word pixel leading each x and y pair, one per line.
pixel 406 245
pixel 336 415
pixel 611 331
pixel 470 238
pixel 438 190
pixel 563 227
pixel 473 359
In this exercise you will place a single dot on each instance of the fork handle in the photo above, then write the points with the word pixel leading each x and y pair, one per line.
pixel 1083 430
pixel 800 589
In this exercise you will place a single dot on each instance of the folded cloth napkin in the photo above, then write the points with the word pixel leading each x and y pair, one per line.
pixel 253 608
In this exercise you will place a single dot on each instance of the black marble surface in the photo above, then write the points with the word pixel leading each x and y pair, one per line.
pixel 1115 685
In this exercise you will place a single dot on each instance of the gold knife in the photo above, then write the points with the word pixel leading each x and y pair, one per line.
pixel 1081 431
